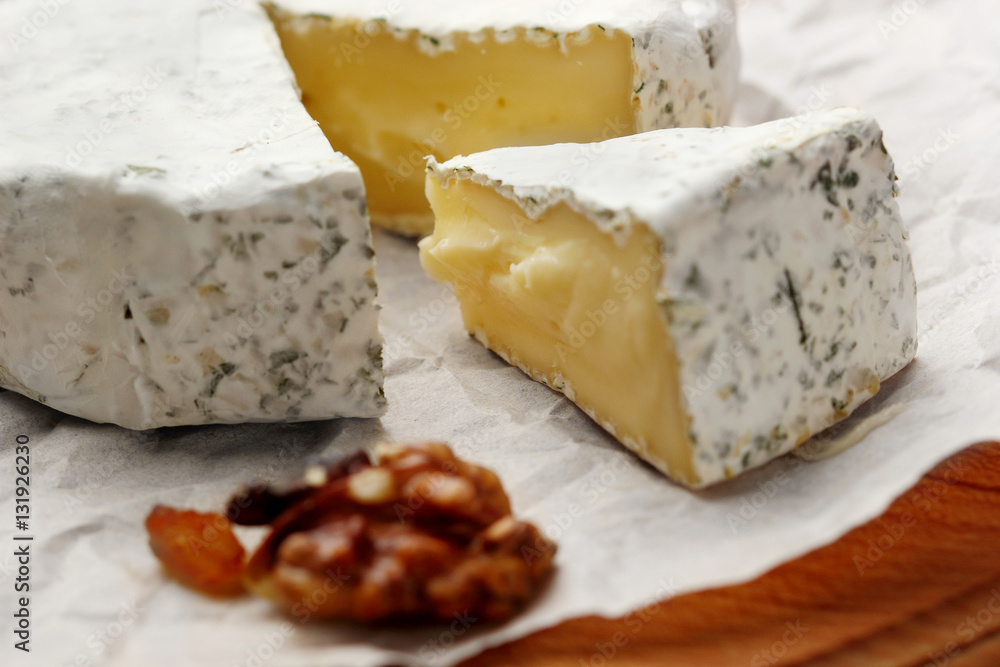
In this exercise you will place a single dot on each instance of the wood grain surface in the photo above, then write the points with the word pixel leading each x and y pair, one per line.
pixel 918 586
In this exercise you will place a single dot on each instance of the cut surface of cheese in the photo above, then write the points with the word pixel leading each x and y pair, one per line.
pixel 711 297
pixel 436 78
pixel 548 296
pixel 178 242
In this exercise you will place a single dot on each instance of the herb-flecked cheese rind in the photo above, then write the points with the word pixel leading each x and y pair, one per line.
pixel 787 285
pixel 178 243
pixel 685 53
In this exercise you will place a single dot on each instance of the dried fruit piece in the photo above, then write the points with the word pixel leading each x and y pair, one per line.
pixel 199 550
pixel 260 504
pixel 422 534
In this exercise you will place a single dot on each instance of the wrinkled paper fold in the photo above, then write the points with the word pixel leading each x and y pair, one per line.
pixel 627 536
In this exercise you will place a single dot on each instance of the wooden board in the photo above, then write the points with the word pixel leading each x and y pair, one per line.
pixel 918 586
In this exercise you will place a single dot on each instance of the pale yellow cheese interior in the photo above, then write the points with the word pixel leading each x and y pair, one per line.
pixel 561 299
pixel 387 103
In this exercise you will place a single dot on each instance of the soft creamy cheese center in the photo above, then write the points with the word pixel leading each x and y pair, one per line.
pixel 388 98
pixel 560 299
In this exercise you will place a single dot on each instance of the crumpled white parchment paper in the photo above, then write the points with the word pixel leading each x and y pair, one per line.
pixel 930 72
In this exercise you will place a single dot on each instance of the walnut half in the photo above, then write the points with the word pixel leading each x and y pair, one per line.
pixel 420 534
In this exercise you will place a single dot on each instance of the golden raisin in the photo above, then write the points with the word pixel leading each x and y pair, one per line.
pixel 199 550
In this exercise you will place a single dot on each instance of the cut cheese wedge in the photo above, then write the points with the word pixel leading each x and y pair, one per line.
pixel 711 297
pixel 391 84
pixel 178 242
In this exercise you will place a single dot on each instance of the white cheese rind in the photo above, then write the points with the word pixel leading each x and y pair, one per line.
pixel 788 287
pixel 685 52
pixel 178 243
